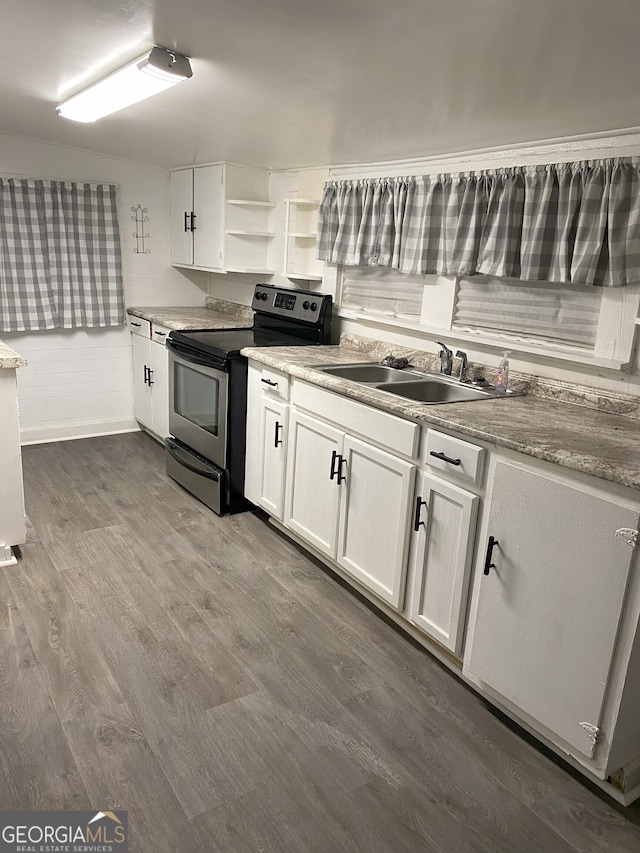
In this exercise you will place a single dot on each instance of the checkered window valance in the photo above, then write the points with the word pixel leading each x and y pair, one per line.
pixel 577 223
pixel 59 256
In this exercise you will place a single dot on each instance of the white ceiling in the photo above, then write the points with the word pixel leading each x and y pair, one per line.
pixel 286 83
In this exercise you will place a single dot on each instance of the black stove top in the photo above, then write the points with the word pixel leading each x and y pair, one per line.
pixel 283 317
pixel 223 344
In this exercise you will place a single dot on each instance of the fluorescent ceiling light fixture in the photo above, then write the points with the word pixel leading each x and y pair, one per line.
pixel 145 76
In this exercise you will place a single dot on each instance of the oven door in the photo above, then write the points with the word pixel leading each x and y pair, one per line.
pixel 198 395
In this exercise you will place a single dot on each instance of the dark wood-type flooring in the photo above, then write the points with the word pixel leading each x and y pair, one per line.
pixel 203 674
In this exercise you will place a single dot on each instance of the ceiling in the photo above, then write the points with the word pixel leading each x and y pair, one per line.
pixel 290 83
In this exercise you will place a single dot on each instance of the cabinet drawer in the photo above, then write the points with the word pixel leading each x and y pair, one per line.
pixel 463 462
pixel 139 326
pixel 274 383
pixel 159 334
pixel 389 431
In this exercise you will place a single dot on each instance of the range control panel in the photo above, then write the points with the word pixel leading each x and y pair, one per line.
pixel 294 304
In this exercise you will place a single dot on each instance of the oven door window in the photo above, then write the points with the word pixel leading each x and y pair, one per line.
pixel 197 397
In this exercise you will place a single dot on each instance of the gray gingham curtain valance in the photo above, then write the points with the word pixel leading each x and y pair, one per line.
pixel 59 256
pixel 577 223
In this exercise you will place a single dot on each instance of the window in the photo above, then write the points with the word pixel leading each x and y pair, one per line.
pixel 536 311
pixel 59 256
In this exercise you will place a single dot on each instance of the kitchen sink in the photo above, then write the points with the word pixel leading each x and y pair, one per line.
pixel 369 373
pixel 435 391
pixel 429 388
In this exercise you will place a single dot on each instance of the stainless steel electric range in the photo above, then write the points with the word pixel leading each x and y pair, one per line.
pixel 208 391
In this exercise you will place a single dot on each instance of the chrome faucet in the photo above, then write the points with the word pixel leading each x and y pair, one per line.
pixel 463 366
pixel 446 359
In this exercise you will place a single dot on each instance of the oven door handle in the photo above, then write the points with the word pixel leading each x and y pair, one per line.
pixel 189 356
pixel 175 451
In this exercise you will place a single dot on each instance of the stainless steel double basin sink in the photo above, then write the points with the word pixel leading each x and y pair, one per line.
pixel 412 385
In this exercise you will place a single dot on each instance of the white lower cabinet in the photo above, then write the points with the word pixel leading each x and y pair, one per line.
pixel 550 587
pixel 351 501
pixel 312 495
pixel 273 442
pixel 374 522
pixel 444 523
pixel 151 379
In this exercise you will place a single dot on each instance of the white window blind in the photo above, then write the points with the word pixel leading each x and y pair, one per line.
pixel 380 290
pixel 535 311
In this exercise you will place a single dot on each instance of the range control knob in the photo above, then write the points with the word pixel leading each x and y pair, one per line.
pixel 314 306
pixel 305 304
pixel 262 295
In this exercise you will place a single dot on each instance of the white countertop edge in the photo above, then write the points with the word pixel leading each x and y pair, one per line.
pixel 9 358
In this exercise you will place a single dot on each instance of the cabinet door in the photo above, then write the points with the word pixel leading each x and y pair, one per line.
pixel 181 209
pixel 142 405
pixel 546 616
pixel 273 437
pixel 208 206
pixel 312 496
pixel 446 519
pixel 159 358
pixel 375 518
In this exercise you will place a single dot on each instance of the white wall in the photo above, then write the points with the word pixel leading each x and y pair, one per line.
pixel 79 382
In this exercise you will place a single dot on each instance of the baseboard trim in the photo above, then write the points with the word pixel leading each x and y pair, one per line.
pixel 70 431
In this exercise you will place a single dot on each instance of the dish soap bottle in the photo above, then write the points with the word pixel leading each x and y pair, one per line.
pixel 502 376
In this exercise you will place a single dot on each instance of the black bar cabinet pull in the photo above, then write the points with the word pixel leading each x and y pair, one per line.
pixel 333 472
pixel 150 380
pixel 341 461
pixel 193 221
pixel 488 565
pixel 146 375
pixel 269 382
pixel 161 334
pixel 186 220
pixel 417 524
pixel 445 458
pixel 135 324
pixel 277 441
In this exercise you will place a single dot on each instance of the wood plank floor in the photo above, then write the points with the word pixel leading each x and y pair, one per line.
pixel 202 673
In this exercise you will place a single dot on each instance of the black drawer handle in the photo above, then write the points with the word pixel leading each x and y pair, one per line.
pixel 135 324
pixel 186 220
pixel 488 565
pixel 417 524
pixel 277 441
pixel 146 375
pixel 161 334
pixel 150 380
pixel 334 457
pixel 193 221
pixel 446 458
pixel 341 461
pixel 269 382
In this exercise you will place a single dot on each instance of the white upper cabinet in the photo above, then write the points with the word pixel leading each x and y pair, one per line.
pixel 300 238
pixel 181 209
pixel 220 217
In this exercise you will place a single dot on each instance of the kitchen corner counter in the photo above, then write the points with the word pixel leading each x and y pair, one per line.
pixel 9 359
pixel 587 440
pixel 192 318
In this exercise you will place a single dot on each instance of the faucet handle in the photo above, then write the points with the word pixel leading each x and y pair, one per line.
pixel 446 359
pixel 463 366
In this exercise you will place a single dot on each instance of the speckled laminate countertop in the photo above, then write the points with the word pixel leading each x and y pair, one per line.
pixel 9 359
pixel 594 442
pixel 193 318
